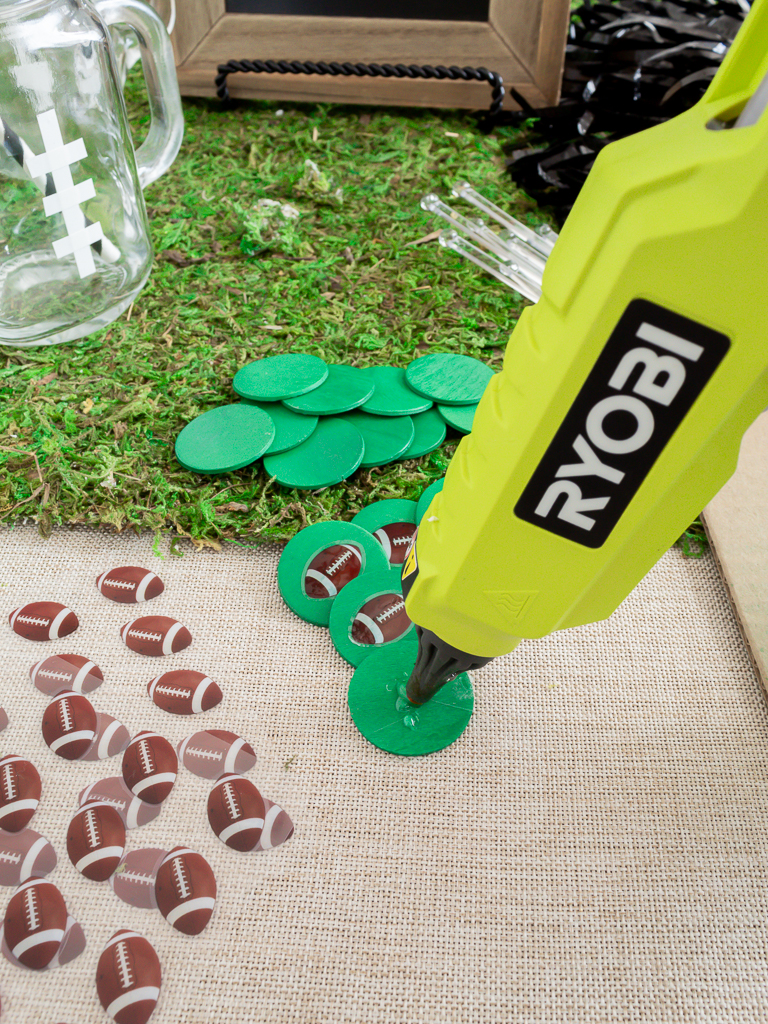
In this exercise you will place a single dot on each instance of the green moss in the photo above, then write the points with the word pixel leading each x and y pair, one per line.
pixel 87 429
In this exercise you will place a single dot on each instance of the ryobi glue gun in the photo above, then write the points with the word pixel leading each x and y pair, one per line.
pixel 625 391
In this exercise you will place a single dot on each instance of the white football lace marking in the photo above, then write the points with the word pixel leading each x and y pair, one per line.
pixel 137 877
pixel 9 782
pixel 392 610
pixel 55 677
pixel 145 757
pixel 92 833
pixel 29 620
pixel 65 715
pixel 31 910
pixel 119 583
pixel 181 878
pixel 402 541
pixel 6 857
pixel 230 799
pixel 57 160
pixel 206 755
pixel 140 635
pixel 175 691
pixel 123 964
pixel 341 560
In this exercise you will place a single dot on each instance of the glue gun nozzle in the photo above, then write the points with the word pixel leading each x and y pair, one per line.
pixel 437 663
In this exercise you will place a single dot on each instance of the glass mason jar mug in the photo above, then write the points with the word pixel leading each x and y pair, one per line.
pixel 74 239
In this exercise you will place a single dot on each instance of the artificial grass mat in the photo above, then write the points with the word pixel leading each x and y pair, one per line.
pixel 87 428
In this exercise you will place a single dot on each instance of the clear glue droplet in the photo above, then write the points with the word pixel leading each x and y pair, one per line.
pixel 411 721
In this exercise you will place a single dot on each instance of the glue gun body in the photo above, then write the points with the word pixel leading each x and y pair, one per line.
pixel 625 390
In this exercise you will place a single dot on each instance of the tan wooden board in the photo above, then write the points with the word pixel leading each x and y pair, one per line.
pixel 523 41
pixel 737 528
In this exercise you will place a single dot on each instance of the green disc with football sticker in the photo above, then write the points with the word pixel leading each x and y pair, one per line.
pixel 386 718
pixel 386 437
pixel 319 562
pixel 429 433
pixel 344 388
pixel 290 428
pixel 393 523
pixel 426 498
pixel 392 396
pixel 329 455
pixel 225 438
pixel 278 377
pixel 448 378
pixel 370 614
pixel 459 417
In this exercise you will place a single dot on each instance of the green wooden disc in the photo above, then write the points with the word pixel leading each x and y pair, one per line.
pixel 392 396
pixel 459 417
pixel 224 439
pixel 393 524
pixel 320 561
pixel 344 388
pixel 331 454
pixel 290 428
pixel 278 377
pixel 429 433
pixel 448 378
pixel 386 437
pixel 369 615
pixel 385 717
pixel 426 498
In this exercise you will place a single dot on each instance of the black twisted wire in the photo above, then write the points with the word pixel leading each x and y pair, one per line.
pixel 308 67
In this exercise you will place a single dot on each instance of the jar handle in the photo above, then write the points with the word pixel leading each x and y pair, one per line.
pixel 159 150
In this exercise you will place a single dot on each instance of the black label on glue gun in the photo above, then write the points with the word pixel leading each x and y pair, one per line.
pixel 653 367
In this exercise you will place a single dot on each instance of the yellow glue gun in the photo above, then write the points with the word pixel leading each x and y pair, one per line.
pixel 625 391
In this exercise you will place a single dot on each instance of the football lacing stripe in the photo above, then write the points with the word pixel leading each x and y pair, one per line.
pixel 6 857
pixel 123 964
pixel 398 606
pixel 400 541
pixel 31 910
pixel 65 715
pixel 174 691
pixel 145 757
pixel 181 878
pixel 340 561
pixel 60 677
pixel 92 834
pixel 137 877
pixel 230 799
pixel 9 782
pixel 118 583
pixel 31 621
pixel 210 755
pixel 140 635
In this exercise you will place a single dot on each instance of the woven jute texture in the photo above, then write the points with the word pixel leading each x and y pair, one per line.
pixel 593 849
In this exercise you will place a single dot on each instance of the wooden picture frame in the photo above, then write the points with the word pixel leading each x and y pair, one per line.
pixel 523 40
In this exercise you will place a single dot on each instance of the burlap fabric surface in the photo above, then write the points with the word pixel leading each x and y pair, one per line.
pixel 592 849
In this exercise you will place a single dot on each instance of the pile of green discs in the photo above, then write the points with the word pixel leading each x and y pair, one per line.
pixel 314 424
pixel 347 576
